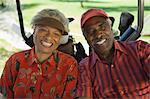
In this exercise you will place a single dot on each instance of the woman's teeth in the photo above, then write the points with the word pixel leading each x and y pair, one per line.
pixel 46 44
pixel 101 41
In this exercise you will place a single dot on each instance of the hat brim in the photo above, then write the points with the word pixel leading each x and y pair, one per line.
pixel 51 22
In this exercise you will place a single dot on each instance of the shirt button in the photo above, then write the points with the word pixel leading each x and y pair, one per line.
pixel 117 81
pixel 112 65
pixel 121 92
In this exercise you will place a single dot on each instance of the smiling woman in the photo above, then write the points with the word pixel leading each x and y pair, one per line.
pixel 42 71
pixel 46 40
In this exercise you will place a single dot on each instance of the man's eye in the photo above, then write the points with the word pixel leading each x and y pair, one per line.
pixel 101 24
pixel 91 30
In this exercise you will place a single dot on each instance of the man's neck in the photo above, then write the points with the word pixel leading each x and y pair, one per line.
pixel 107 56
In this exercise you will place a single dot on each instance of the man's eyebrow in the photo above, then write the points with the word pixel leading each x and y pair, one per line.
pixel 102 22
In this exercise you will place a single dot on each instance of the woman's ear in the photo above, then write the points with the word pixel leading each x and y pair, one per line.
pixel 34 35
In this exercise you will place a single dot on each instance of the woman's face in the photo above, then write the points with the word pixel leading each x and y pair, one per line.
pixel 98 33
pixel 46 39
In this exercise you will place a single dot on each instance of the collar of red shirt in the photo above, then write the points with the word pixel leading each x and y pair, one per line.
pixel 33 57
pixel 118 47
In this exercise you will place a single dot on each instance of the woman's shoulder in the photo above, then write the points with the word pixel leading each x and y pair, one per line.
pixel 20 53
pixel 66 57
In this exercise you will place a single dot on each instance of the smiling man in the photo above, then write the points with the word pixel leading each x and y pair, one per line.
pixel 113 69
pixel 42 72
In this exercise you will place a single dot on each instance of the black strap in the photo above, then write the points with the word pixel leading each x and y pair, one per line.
pixel 28 41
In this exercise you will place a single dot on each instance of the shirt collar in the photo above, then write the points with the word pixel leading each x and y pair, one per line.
pixel 119 46
pixel 33 57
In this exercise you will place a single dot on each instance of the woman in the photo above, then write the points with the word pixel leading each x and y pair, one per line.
pixel 43 71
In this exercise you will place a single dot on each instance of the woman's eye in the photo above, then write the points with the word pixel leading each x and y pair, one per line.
pixel 57 33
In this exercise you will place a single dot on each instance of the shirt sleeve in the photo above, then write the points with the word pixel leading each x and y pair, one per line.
pixel 71 81
pixel 6 81
pixel 144 53
pixel 84 86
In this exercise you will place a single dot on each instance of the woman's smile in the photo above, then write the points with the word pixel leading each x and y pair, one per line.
pixel 46 44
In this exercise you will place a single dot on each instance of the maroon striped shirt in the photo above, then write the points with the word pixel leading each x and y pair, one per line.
pixel 127 77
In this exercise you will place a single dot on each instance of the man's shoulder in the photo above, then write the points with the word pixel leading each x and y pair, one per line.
pixel 137 42
pixel 84 61
pixel 132 45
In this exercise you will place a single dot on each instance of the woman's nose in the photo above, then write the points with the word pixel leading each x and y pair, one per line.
pixel 48 36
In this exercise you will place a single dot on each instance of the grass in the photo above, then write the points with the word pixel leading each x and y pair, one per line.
pixel 6 50
pixel 72 8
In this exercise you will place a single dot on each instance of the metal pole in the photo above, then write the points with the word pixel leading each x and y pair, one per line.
pixel 140 15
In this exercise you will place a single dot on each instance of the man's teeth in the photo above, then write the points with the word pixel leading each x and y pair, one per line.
pixel 46 44
pixel 101 41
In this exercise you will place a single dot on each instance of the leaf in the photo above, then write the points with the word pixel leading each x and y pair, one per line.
pixel 32 88
pixel 17 65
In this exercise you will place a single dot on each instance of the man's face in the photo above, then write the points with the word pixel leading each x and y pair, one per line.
pixel 98 33
pixel 46 39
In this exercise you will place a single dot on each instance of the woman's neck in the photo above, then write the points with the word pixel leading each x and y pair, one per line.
pixel 43 56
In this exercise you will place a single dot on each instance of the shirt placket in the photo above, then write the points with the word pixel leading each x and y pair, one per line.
pixel 36 78
pixel 114 71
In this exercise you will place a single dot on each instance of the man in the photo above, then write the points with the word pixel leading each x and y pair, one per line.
pixel 42 72
pixel 113 69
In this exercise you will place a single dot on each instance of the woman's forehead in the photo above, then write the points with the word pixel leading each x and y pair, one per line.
pixel 47 27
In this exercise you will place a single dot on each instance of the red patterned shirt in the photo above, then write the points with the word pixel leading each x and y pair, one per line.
pixel 25 77
pixel 127 77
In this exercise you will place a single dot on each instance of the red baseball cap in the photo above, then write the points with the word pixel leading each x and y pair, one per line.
pixel 91 13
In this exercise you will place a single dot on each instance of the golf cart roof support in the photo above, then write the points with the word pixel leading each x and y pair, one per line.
pixel 140 15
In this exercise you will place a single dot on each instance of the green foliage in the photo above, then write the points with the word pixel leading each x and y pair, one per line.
pixel 4 54
pixel 72 8
pixel 6 50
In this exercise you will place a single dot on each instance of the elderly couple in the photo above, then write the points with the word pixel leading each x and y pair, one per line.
pixel 113 69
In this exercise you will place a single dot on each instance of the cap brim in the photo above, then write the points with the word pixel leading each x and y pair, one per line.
pixel 90 16
pixel 92 13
